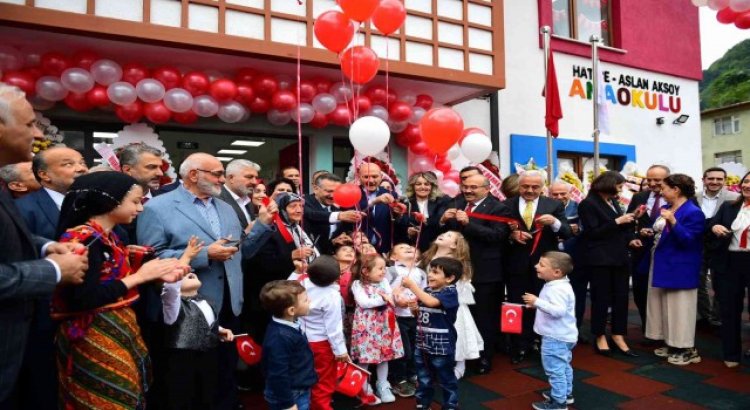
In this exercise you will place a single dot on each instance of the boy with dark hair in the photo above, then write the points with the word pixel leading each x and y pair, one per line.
pixel 436 336
pixel 287 359
pixel 556 323
pixel 324 327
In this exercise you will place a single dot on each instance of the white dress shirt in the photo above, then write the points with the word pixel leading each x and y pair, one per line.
pixel 535 204
pixel 709 204
pixel 396 274
pixel 325 322
pixel 170 298
pixel 555 316
pixel 739 228
pixel 242 202
pixel 423 207
pixel 57 197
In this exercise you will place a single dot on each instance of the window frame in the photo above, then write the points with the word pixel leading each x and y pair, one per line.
pixel 720 157
pixel 729 121
pixel 573 24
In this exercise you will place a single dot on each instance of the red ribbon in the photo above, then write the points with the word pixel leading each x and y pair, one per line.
pixel 504 219
pixel 743 238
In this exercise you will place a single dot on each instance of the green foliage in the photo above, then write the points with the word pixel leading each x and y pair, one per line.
pixel 727 81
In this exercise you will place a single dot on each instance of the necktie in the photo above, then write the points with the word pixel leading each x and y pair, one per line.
pixel 528 214
pixel 469 207
pixel 656 209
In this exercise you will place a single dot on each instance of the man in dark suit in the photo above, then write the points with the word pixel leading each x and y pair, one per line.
pixel 23 275
pixel 376 203
pixel 485 239
pixel 19 179
pixel 324 221
pixel 643 238
pixel 541 225
pixel 241 178
pixel 142 162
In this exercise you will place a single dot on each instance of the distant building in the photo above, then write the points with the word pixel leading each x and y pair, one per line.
pixel 725 134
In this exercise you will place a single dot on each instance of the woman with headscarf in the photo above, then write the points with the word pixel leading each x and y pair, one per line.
pixel 102 360
pixel 426 199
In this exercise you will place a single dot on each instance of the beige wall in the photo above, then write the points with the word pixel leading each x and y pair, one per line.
pixel 713 144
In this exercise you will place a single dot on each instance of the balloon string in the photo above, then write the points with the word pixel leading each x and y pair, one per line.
pixel 299 120
pixel 387 81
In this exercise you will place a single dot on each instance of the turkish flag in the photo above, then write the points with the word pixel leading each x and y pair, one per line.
pixel 249 351
pixel 553 111
pixel 510 318
pixel 351 379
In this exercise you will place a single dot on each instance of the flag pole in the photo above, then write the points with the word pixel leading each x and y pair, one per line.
pixel 545 31
pixel 595 96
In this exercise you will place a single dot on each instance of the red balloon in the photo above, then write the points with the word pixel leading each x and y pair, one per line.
pixel 157 112
pixel 411 135
pixel 245 94
pixel 35 72
pixel 399 111
pixel 323 85
pixel 84 59
pixel 307 91
pixel 169 76
pixel 131 112
pixel 21 79
pixel 265 85
pixel 78 102
pixel 419 148
pixel 453 175
pixel 284 100
pixel 743 21
pixel 392 97
pixel 245 75
pixel 334 30
pixel 341 116
pixel 196 83
pixel 319 120
pixel 260 105
pixel 358 10
pixel 443 165
pixel 134 72
pixel 441 128
pixel 187 117
pixel 359 63
pixel 223 90
pixel 377 95
pixel 97 96
pixel 726 15
pixel 361 103
pixel 54 63
pixel 347 195
pixel 424 101
pixel 389 16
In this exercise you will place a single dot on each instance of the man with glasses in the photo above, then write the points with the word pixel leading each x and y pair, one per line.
pixel 486 239
pixel 644 236
pixel 324 222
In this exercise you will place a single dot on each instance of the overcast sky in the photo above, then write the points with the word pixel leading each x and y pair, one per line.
pixel 717 38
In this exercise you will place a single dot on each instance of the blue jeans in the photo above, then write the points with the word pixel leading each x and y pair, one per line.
pixel 301 399
pixel 441 366
pixel 556 358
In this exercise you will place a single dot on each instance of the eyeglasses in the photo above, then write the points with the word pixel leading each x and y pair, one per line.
pixel 217 174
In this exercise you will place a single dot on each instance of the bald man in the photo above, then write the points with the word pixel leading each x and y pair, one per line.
pixel 376 203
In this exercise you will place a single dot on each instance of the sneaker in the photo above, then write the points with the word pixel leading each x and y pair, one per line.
pixel 662 352
pixel 731 365
pixel 549 405
pixel 685 357
pixel 421 407
pixel 404 389
pixel 568 400
pixel 384 392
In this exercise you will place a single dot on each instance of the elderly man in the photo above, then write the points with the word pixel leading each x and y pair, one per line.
pixel 168 222
pixel 324 221
pixel 142 162
pixel 241 178
pixel 644 239
pixel 376 203
pixel 24 276
pixel 485 239
pixel 19 178
pixel 710 200
pixel 541 226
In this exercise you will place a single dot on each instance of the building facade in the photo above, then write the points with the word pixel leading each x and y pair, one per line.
pixel 725 134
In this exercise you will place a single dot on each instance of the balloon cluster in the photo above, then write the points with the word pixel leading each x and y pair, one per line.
pixel 735 12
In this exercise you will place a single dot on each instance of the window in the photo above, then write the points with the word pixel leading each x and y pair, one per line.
pixel 582 163
pixel 579 19
pixel 729 156
pixel 726 125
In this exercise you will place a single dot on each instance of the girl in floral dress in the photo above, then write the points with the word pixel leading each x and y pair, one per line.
pixel 375 335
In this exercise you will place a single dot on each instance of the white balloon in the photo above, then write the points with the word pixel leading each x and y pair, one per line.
pixel 285 81
pixel 178 100
pixel 122 93
pixel 717 4
pixel 303 114
pixel 450 187
pixel 410 99
pixel 231 112
pixel 378 111
pixel 205 106
pixel 150 90
pixel 324 103
pixel 397 127
pixel 278 118
pixel 106 72
pixel 342 92
pixel 476 147
pixel 10 58
pixel 739 5
pixel 77 80
pixel 50 88
pixel 369 135
pixel 454 152
pixel 416 115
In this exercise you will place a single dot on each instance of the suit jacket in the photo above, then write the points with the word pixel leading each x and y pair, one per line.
pixel 520 260
pixel 641 257
pixel 724 196
pixel 40 213
pixel 726 214
pixel 226 196
pixel 317 224
pixel 23 277
pixel 378 223
pixel 571 214
pixel 486 238
pixel 679 253
pixel 168 221
pixel 273 261
pixel 602 242
pixel 430 228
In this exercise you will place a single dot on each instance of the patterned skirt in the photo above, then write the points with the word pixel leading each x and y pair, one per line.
pixel 108 368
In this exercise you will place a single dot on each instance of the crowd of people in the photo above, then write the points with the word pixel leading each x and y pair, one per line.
pixel 117 292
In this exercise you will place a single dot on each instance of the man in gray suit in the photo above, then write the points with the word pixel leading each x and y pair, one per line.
pixel 710 200
pixel 169 220
pixel 23 275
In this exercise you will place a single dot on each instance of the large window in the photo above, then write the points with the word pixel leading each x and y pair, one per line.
pixel 580 19
pixel 726 125
pixel 728 156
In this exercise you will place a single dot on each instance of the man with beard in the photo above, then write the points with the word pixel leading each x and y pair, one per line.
pixel 143 163
pixel 376 203
pixel 170 220
pixel 19 178
pixel 241 178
